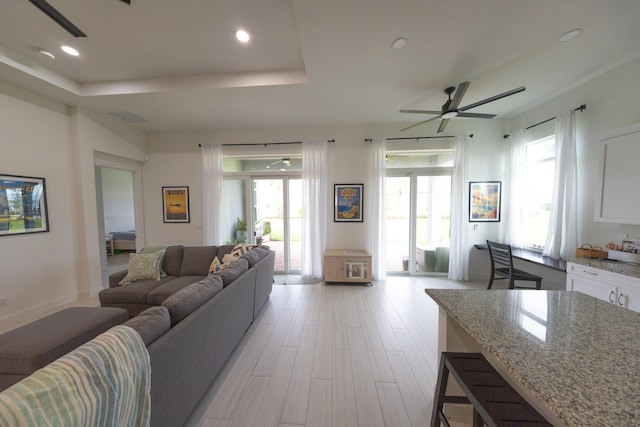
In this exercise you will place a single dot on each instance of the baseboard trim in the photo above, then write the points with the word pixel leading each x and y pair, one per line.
pixel 18 318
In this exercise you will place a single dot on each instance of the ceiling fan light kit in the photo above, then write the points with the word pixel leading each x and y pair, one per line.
pixel 450 108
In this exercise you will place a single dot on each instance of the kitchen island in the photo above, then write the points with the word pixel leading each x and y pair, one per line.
pixel 574 357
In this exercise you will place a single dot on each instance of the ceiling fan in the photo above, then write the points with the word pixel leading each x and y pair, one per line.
pixel 286 162
pixel 450 108
pixel 59 18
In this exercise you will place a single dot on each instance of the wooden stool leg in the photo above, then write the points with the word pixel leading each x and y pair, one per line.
pixel 438 399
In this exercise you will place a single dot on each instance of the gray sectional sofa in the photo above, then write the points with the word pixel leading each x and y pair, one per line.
pixel 191 322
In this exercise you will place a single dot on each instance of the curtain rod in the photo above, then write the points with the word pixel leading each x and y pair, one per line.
pixel 267 143
pixel 417 138
pixel 580 108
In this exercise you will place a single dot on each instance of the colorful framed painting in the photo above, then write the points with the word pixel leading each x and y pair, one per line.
pixel 23 205
pixel 484 201
pixel 348 202
pixel 175 203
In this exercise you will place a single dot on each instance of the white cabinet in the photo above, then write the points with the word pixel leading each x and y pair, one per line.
pixel 616 200
pixel 618 289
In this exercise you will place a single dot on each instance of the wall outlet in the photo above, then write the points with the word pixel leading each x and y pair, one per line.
pixel 3 302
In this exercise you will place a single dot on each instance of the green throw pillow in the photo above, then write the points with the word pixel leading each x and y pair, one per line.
pixel 143 267
pixel 152 249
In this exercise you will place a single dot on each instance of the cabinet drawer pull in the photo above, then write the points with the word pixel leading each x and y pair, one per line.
pixel 622 299
pixel 590 272
pixel 612 297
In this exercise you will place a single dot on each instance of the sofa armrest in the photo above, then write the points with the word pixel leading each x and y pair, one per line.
pixel 115 278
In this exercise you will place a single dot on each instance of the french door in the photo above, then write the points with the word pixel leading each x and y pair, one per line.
pixel 418 222
pixel 268 210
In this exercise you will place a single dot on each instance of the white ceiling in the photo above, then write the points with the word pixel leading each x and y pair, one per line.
pixel 178 65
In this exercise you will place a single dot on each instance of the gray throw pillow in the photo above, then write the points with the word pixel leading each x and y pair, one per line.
pixel 151 323
pixel 187 300
pixel 232 271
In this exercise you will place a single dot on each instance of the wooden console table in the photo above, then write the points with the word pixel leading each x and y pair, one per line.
pixel 348 266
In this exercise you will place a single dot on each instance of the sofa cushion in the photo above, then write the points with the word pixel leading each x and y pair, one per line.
pixel 143 267
pixel 164 291
pixel 152 249
pixel 36 344
pixel 186 301
pixel 252 256
pixel 133 293
pixel 232 271
pixel 263 250
pixel 151 323
pixel 173 260
pixel 197 260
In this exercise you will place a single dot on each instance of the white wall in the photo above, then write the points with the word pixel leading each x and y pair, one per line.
pixel 613 101
pixel 46 139
pixel 38 270
pixel 117 197
pixel 174 159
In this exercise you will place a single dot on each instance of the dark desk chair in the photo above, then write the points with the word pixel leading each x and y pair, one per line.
pixel 501 256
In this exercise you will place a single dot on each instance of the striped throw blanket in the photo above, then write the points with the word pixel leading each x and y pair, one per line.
pixel 105 382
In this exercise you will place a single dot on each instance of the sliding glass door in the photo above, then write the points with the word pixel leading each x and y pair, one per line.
pixel 275 217
pixel 418 222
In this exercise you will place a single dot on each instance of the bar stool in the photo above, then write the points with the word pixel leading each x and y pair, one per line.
pixel 495 402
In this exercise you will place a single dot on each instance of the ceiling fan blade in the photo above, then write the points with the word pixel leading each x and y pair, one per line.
pixel 421 123
pixel 493 98
pixel 457 97
pixel 59 18
pixel 476 115
pixel 443 124
pixel 421 111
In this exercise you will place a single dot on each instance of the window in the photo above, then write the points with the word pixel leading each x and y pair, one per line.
pixel 540 158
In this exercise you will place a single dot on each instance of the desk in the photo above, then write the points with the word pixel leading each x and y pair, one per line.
pixel 534 257
pixel 573 357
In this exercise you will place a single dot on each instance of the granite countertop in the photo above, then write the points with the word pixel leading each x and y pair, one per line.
pixel 578 354
pixel 626 268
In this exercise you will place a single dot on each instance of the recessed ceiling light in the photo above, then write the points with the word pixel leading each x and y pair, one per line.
pixel 399 43
pixel 69 50
pixel 45 52
pixel 242 36
pixel 570 35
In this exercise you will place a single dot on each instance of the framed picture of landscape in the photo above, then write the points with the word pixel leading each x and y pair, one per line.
pixel 175 203
pixel 23 205
pixel 348 202
pixel 484 201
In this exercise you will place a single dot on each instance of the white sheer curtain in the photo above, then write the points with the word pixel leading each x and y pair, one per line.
pixel 377 198
pixel 515 217
pixel 314 206
pixel 459 250
pixel 211 193
pixel 563 230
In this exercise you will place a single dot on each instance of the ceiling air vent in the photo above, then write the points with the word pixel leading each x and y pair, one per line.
pixel 129 117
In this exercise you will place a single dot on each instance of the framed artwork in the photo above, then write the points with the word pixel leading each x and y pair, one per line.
pixel 348 202
pixel 484 201
pixel 175 204
pixel 23 205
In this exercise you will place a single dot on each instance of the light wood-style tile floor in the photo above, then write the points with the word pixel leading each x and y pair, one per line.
pixel 333 355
